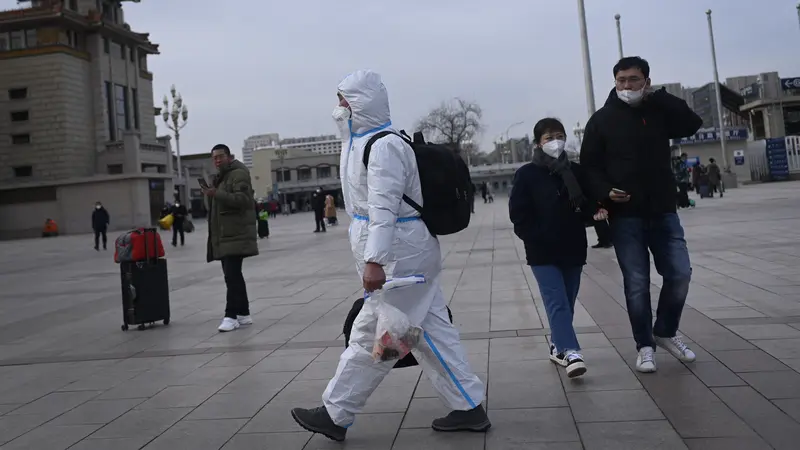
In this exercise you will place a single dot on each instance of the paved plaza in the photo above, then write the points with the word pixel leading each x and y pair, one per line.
pixel 71 379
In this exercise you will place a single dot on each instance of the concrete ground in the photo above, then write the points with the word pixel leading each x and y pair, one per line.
pixel 70 378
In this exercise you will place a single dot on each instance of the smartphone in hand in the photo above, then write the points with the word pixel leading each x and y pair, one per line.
pixel 203 183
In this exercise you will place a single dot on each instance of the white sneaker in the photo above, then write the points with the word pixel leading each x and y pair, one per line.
pixel 244 320
pixel 677 348
pixel 228 324
pixel 646 361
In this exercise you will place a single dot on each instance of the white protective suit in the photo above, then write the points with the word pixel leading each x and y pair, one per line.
pixel 386 230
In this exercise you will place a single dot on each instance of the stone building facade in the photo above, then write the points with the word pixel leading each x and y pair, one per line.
pixel 76 109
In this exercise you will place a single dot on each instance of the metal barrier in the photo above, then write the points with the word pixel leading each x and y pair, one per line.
pixel 793 153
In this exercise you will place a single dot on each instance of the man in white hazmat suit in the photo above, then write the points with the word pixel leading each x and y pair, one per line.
pixel 388 237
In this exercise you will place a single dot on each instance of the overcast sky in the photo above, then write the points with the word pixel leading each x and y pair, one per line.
pixel 248 67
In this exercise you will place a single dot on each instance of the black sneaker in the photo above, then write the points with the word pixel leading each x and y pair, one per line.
pixel 602 245
pixel 575 365
pixel 558 358
pixel 317 420
pixel 473 420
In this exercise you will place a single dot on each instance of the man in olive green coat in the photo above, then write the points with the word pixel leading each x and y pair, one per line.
pixel 231 231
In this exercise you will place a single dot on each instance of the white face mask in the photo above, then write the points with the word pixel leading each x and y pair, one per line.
pixel 177 205
pixel 554 148
pixel 341 114
pixel 97 206
pixel 631 97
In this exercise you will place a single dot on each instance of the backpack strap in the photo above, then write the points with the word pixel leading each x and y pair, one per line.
pixel 365 159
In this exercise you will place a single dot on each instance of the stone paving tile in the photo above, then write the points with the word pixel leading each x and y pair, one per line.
pixel 76 370
pixel 268 441
pixel 197 435
pixel 655 435
pixel 772 424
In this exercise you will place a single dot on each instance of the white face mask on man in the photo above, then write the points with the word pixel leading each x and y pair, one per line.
pixel 341 114
pixel 631 97
pixel 554 148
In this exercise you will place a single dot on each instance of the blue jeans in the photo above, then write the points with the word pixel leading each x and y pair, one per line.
pixel 663 237
pixel 559 288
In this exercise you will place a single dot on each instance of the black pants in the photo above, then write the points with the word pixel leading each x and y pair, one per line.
pixel 683 195
pixel 319 217
pixel 603 233
pixel 177 227
pixel 236 303
pixel 97 234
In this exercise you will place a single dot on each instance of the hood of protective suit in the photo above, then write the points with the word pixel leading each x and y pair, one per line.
pixel 368 99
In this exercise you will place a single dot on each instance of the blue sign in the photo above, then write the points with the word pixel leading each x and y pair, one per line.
pixel 777 159
pixel 790 83
pixel 738 160
pixel 704 137
pixel 693 161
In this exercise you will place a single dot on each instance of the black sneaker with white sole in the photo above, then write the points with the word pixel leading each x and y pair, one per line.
pixel 575 365
pixel 558 358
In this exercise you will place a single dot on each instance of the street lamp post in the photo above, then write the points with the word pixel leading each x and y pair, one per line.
pixel 578 132
pixel 175 119
pixel 587 63
pixel 281 153
pixel 512 145
pixel 798 13
pixel 719 92
pixel 619 36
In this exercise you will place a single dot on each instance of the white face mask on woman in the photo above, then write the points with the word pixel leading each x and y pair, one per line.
pixel 554 148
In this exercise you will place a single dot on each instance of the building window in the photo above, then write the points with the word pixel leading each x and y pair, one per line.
pixel 114 169
pixel 73 5
pixel 112 134
pixel 135 95
pixel 133 55
pixel 17 40
pixel 21 139
pixel 4 44
pixel 121 104
pixel 123 52
pixel 23 171
pixel 106 46
pixel 283 175
pixel 323 172
pixel 107 13
pixel 18 94
pixel 30 38
pixel 304 174
pixel 116 49
pixel 19 116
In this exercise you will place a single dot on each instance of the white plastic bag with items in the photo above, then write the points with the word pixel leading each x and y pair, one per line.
pixel 395 335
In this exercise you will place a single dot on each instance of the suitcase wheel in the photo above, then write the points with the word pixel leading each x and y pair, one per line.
pixel 124 327
pixel 142 327
pixel 166 321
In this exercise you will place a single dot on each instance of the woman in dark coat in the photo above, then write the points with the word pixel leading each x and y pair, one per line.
pixel 550 212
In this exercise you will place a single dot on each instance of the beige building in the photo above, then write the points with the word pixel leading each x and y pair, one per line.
pixel 261 171
pixel 77 119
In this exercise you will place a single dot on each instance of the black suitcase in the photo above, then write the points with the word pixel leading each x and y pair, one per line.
pixel 145 293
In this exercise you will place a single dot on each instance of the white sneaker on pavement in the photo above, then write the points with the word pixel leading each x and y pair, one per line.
pixel 228 324
pixel 677 348
pixel 244 320
pixel 646 361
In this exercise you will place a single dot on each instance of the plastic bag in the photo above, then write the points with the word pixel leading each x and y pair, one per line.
pixel 395 335
pixel 166 222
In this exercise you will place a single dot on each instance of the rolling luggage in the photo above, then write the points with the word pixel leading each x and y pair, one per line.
pixel 263 229
pixel 137 245
pixel 704 191
pixel 145 289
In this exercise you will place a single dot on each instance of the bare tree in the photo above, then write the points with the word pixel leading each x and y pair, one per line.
pixel 454 123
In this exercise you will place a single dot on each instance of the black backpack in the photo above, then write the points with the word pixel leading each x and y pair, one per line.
pixel 408 361
pixel 446 185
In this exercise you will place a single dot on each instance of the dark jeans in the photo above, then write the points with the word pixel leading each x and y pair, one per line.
pixel 177 228
pixel 603 233
pixel 559 288
pixel 663 237
pixel 683 195
pixel 319 217
pixel 97 234
pixel 237 303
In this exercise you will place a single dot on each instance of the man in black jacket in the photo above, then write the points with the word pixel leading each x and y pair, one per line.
pixel 100 221
pixel 318 205
pixel 626 153
pixel 179 213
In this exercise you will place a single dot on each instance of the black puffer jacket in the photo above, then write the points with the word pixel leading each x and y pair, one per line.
pixel 628 148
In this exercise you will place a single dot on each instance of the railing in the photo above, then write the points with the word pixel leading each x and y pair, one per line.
pixel 153 147
pixel 793 153
pixel 117 146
